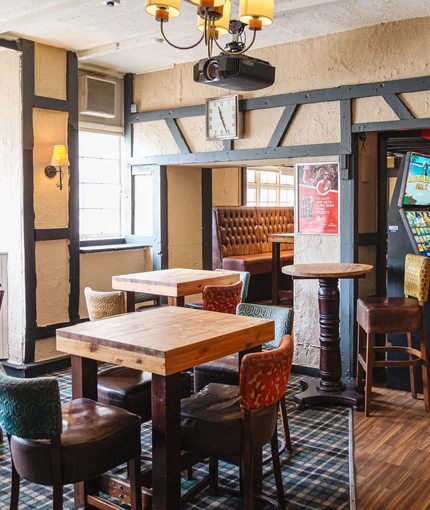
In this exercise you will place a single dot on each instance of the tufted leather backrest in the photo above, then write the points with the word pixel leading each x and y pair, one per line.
pixel 30 408
pixel 417 276
pixel 243 230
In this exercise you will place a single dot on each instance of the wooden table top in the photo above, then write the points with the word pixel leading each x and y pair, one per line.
pixel 331 270
pixel 164 340
pixel 287 238
pixel 175 282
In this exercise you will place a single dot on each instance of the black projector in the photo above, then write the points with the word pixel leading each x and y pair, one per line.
pixel 237 72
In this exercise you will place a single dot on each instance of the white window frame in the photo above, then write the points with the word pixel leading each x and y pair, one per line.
pixel 258 185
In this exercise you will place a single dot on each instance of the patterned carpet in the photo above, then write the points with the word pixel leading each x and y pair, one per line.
pixel 317 474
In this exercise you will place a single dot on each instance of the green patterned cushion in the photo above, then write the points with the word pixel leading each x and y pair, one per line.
pixel 283 318
pixel 30 408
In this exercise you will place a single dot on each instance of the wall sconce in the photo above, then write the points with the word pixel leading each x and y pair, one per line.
pixel 59 158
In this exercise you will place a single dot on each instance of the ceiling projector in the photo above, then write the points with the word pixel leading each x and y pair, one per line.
pixel 237 72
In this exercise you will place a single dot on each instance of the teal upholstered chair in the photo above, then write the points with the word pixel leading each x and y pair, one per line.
pixel 58 444
pixel 244 277
pixel 226 370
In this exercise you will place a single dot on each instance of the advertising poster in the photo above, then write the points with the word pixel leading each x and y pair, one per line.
pixel 318 198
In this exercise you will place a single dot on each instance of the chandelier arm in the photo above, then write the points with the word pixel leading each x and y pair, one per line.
pixel 238 52
pixel 174 45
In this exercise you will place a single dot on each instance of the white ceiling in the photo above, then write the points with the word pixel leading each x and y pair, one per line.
pixel 125 39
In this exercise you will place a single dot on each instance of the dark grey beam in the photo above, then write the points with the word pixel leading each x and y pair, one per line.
pixel 178 136
pixel 398 106
pixel 345 124
pixel 283 125
pixel 207 218
pixel 50 103
pixel 234 156
pixel 392 125
pixel 51 234
pixel 10 45
pixel 346 92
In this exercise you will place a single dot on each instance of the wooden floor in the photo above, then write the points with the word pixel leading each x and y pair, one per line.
pixel 392 453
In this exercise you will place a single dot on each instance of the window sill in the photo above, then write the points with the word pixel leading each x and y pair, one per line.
pixel 110 247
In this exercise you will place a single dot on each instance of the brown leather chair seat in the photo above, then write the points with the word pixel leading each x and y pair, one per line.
pixel 131 389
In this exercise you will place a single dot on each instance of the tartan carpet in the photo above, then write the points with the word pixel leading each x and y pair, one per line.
pixel 317 474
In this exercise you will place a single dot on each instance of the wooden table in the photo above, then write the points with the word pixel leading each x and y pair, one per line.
pixel 330 387
pixel 277 240
pixel 164 341
pixel 173 283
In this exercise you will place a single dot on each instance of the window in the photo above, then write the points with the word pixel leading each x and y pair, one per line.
pixel 270 187
pixel 100 186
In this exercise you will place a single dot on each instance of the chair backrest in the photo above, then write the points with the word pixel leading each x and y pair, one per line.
pixel 264 375
pixel 417 276
pixel 282 316
pixel 244 276
pixel 104 304
pixel 222 298
pixel 30 408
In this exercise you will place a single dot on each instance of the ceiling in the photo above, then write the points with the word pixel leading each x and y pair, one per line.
pixel 125 39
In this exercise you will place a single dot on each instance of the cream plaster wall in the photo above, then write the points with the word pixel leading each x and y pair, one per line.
pixel 11 206
pixel 53 287
pixel 226 186
pixel 51 205
pixel 185 217
pixel 97 269
pixel 50 68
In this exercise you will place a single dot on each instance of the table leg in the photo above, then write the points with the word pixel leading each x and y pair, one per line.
pixel 276 268
pixel 330 388
pixel 130 297
pixel 166 442
pixel 176 301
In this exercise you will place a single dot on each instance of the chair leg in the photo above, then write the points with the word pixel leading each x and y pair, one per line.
pixel 360 369
pixel 57 503
pixel 425 368
pixel 213 476
pixel 247 478
pixel 14 496
pixel 277 471
pixel 134 471
pixel 285 427
pixel 369 372
pixel 412 373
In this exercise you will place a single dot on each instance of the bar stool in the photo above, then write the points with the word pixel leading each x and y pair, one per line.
pixel 385 315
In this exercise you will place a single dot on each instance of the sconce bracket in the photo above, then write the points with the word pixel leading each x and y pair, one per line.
pixel 50 171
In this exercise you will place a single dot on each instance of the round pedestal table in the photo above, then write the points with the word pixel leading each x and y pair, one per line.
pixel 329 388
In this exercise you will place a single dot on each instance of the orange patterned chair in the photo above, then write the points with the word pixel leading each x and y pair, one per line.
pixel 222 298
pixel 230 422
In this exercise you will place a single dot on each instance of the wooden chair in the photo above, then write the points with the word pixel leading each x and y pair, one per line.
pixel 56 445
pixel 244 277
pixel 124 387
pixel 385 315
pixel 226 370
pixel 232 423
pixel 222 298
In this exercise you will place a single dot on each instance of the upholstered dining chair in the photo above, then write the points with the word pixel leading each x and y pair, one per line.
pixel 230 422
pixel 226 370
pixel 222 298
pixel 390 315
pixel 244 277
pixel 58 444
pixel 120 386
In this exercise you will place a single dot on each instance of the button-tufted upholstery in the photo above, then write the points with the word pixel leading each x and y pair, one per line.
pixel 240 237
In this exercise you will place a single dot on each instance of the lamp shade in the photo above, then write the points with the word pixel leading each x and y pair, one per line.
pixel 207 3
pixel 259 9
pixel 59 156
pixel 173 7
pixel 222 24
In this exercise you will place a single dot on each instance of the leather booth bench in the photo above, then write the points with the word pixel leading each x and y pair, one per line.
pixel 240 242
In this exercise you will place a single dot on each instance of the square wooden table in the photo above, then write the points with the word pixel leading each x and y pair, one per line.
pixel 174 283
pixel 164 341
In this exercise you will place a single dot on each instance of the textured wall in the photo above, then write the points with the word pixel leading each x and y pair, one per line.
pixel 11 184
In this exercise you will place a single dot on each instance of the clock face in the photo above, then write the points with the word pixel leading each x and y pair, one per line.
pixel 221 118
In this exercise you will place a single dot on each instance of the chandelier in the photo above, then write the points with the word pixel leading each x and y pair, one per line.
pixel 213 19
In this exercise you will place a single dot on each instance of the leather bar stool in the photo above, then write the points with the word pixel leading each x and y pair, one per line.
pixel 390 315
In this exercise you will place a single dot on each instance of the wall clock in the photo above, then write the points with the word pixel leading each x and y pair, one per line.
pixel 222 118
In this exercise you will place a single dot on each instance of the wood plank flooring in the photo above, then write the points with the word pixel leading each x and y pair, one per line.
pixel 392 453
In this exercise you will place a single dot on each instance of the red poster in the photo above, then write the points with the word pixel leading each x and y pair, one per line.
pixel 318 198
